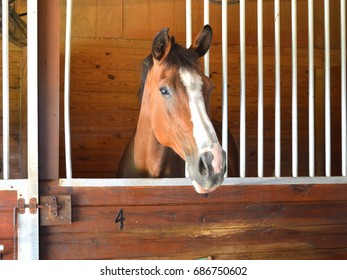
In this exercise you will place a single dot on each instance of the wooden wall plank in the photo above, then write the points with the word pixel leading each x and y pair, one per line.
pixel 127 57
pixel 179 15
pixel 24 117
pixel 15 80
pixel 84 18
pixel 334 24
pixel 8 200
pixel 192 244
pixel 161 15
pixel 136 20
pixel 310 254
pixel 7 254
pixel 109 18
pixel 6 224
pixel 125 196
pixel 204 217
pixel 112 19
pixel 258 222
pixel 104 80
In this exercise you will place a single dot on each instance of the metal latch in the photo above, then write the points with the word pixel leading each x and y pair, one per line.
pixel 32 205
pixel 55 210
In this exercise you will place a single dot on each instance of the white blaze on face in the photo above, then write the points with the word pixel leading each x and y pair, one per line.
pixel 203 131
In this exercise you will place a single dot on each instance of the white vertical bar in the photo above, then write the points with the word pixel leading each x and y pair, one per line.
pixel 207 21
pixel 343 89
pixel 28 225
pixel 5 93
pixel 260 91
pixel 277 91
pixel 294 92
pixel 188 23
pixel 242 88
pixel 32 61
pixel 225 77
pixel 67 90
pixel 327 88
pixel 188 43
pixel 311 88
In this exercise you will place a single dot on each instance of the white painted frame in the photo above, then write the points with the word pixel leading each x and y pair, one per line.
pixel 27 224
pixel 260 180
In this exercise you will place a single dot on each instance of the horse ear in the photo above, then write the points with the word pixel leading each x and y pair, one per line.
pixel 161 44
pixel 203 41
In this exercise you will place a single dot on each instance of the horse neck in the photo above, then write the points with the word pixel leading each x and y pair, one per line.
pixel 149 154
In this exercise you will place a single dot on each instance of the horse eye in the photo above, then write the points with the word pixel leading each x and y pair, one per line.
pixel 164 91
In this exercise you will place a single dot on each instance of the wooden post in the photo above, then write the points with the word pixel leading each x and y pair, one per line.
pixel 49 48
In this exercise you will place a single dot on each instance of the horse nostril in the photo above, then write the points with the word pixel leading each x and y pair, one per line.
pixel 203 167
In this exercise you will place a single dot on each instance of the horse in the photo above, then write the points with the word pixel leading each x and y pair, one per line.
pixel 174 124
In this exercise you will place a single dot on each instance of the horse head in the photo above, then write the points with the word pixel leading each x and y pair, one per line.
pixel 177 97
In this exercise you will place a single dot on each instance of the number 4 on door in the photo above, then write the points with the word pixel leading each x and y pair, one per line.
pixel 120 219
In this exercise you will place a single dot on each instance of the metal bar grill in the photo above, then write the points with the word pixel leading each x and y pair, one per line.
pixel 277 179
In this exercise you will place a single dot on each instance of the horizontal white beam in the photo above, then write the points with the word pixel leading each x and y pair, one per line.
pixel 162 182
pixel 13 184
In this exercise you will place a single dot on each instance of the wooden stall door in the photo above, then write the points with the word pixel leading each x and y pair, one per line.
pixel 8 200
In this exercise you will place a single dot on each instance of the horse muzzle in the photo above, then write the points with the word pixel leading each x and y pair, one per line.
pixel 207 172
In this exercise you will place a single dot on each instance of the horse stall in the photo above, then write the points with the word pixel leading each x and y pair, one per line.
pixel 70 106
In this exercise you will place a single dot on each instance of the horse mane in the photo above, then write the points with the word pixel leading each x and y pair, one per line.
pixel 178 56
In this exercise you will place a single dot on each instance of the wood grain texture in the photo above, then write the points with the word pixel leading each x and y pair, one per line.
pixel 109 18
pixel 15 92
pixel 143 19
pixel 234 222
pixel 173 195
pixel 8 200
pixel 193 245
pixel 110 39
